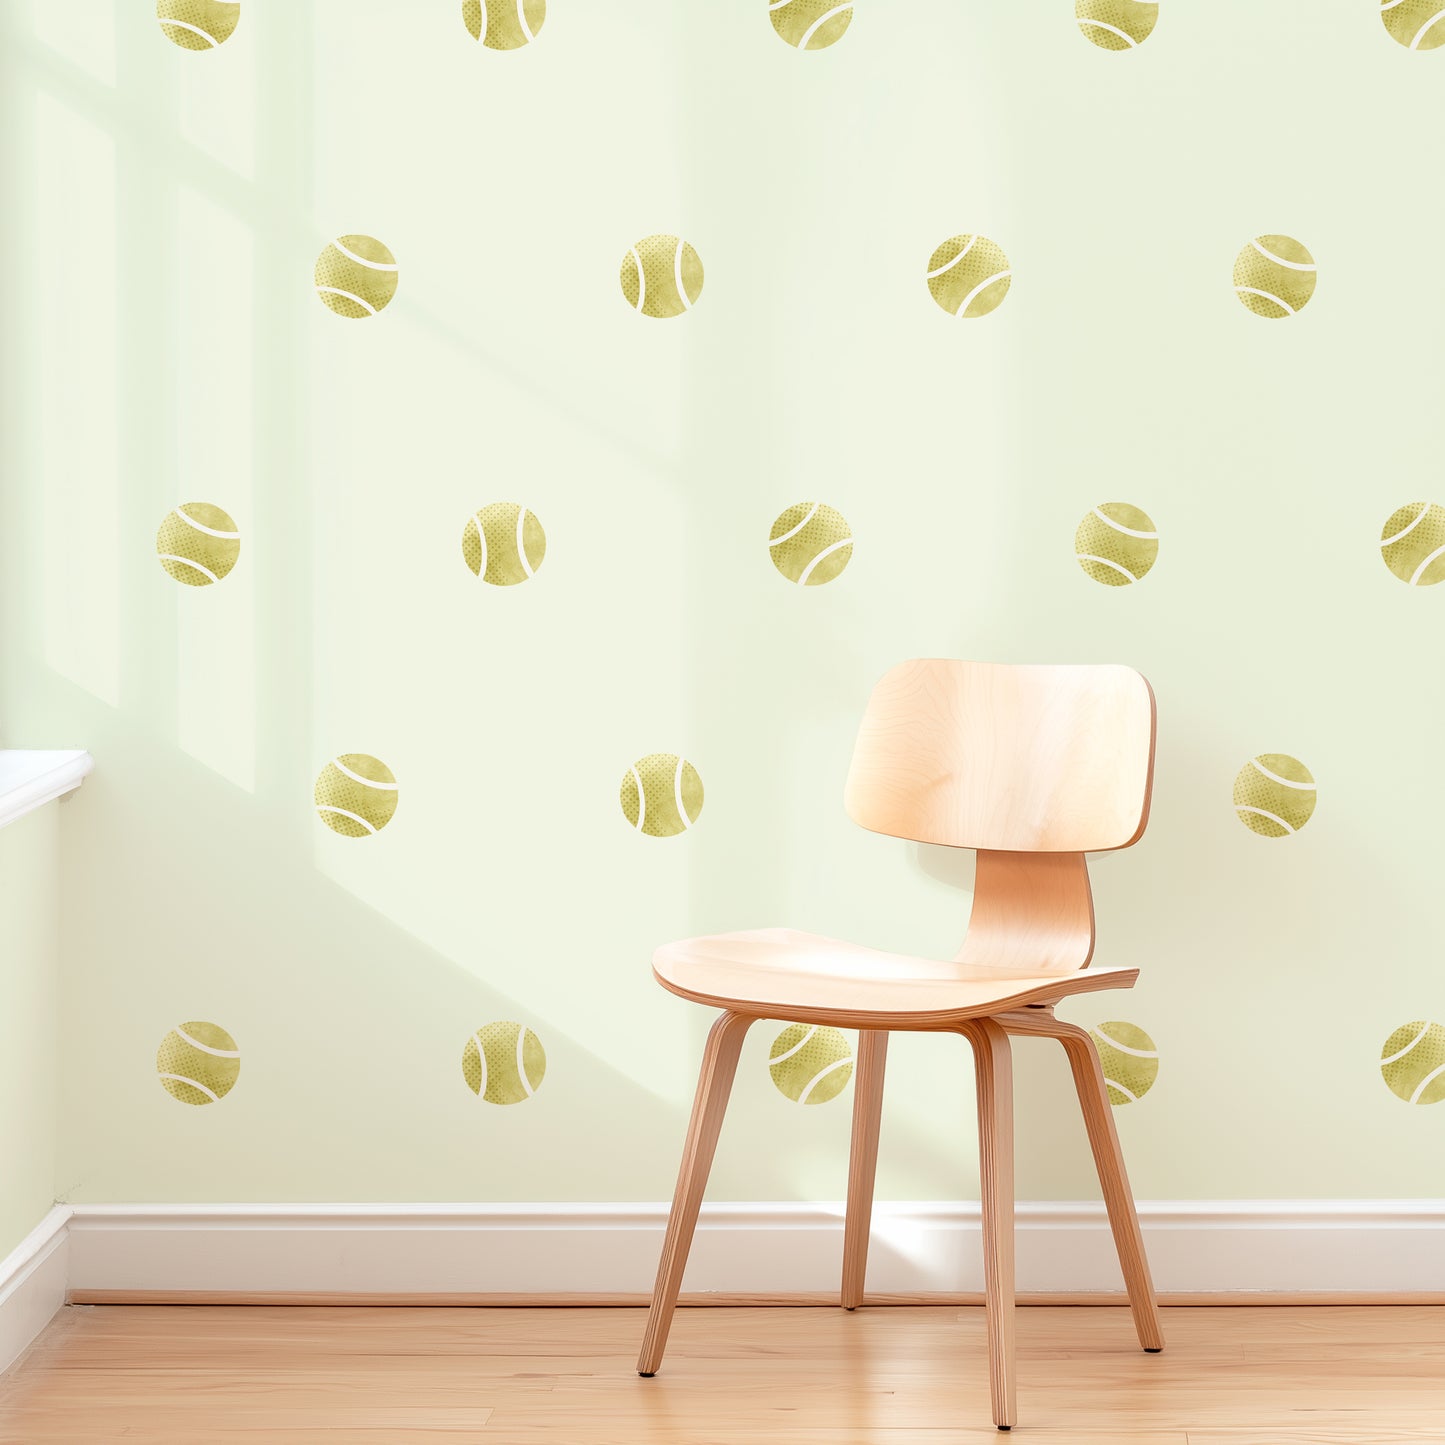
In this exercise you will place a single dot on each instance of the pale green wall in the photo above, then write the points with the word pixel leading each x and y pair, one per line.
pixel 164 210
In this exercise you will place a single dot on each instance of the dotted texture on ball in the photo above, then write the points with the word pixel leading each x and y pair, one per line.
pixel 1116 24
pixel 661 276
pixel 504 1063
pixel 811 543
pixel 503 544
pixel 969 276
pixel 811 24
pixel 197 24
pixel 1416 24
pixel 504 24
pixel 1412 543
pixel 197 543
pixel 356 795
pixel 198 1063
pixel 1274 795
pixel 1274 276
pixel 810 1064
pixel 1413 1062
pixel 356 276
pixel 661 795
pixel 1129 1059
pixel 1116 544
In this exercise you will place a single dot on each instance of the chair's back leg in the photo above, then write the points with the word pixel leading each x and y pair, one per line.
pixel 863 1161
pixel 719 1064
pixel 993 1071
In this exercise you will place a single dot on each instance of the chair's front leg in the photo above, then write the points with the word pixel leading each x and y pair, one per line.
pixel 863 1161
pixel 993 1071
pixel 719 1064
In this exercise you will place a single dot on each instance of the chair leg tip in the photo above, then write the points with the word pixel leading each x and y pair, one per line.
pixel 647 1374
pixel 1153 1349
pixel 1005 1427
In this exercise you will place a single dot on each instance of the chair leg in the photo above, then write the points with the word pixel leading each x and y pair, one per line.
pixel 719 1063
pixel 863 1161
pixel 993 1070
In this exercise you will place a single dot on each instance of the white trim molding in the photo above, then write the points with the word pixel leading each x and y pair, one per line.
pixel 29 779
pixel 33 1282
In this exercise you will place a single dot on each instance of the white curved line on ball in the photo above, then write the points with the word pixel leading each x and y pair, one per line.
pixel 195 30
pixel 362 261
pixel 1415 579
pixel 827 551
pixel 1424 1029
pixel 949 265
pixel 1405 532
pixel 337 291
pixel 482 1058
pixel 1280 261
pixel 357 778
pixel 186 562
pixel 207 1049
pixel 521 1030
pixel 1255 291
pixel 1259 767
pixel 521 523
pixel 641 799
pixel 1263 813
pixel 1114 1043
pixel 794 532
pixel 641 277
pixel 345 813
pixel 1127 531
pixel 788 1053
pixel 482 543
pixel 677 274
pixel 201 526
pixel 677 793
pixel 1113 30
pixel 982 286
pixel 1105 562
pixel 1430 24
pixel 1390 4
pixel 779 4
pixel 820 1076
pixel 527 31
pixel 181 1079
pixel 822 20
pixel 1426 1082
pixel 1129 1094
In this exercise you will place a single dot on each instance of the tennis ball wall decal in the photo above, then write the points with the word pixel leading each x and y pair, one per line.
pixel 1274 795
pixel 1116 24
pixel 1413 1062
pixel 356 795
pixel 1129 1058
pixel 810 1064
pixel 810 24
pixel 1274 276
pixel 1116 544
pixel 969 276
pixel 1416 24
pixel 810 543
pixel 356 276
pixel 504 1063
pixel 197 543
pixel 197 24
pixel 661 276
pixel 503 544
pixel 198 1063
pixel 1412 543
pixel 504 24
pixel 661 795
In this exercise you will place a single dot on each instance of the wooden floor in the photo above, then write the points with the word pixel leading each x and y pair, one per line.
pixel 910 1376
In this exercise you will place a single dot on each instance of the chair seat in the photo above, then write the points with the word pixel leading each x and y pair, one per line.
pixel 782 973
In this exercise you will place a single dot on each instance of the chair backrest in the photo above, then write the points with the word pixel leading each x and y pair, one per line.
pixel 1028 759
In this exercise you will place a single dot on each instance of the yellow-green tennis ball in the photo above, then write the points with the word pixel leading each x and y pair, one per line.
pixel 356 795
pixel 810 1064
pixel 661 276
pixel 1116 544
pixel 1413 1062
pixel 198 1063
pixel 504 24
pixel 1274 795
pixel 197 24
pixel 1412 542
pixel 503 1063
pixel 810 24
pixel 1130 1060
pixel 197 543
pixel 810 543
pixel 1274 276
pixel 969 276
pixel 661 795
pixel 356 276
pixel 503 544
pixel 1416 24
pixel 1116 24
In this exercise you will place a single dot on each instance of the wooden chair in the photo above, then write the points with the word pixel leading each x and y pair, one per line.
pixel 1033 767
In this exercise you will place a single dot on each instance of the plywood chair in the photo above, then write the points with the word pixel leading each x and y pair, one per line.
pixel 1033 767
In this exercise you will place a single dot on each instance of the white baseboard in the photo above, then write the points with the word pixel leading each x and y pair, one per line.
pixel 33 1282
